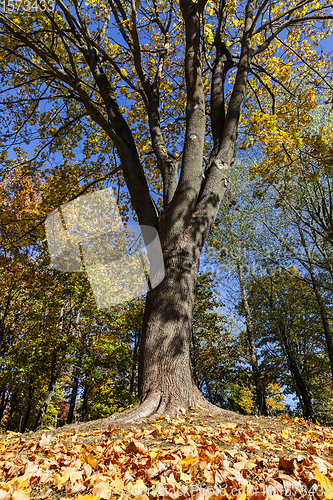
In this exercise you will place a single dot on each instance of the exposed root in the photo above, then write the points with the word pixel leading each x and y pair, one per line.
pixel 141 413
pixel 156 405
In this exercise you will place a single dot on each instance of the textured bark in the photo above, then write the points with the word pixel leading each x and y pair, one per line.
pixel 166 382
pixel 261 401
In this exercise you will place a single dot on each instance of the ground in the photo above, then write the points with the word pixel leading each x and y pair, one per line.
pixel 197 455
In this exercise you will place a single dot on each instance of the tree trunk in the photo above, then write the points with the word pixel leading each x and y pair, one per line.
pixel 27 413
pixel 85 400
pixel 307 405
pixel 13 400
pixel 53 380
pixel 166 383
pixel 4 401
pixel 134 364
pixel 55 373
pixel 73 397
pixel 261 401
pixel 324 321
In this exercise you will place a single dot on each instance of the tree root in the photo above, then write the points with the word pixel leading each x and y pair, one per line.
pixel 156 405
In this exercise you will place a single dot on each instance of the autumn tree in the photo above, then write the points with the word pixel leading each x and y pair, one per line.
pixel 131 84
pixel 300 193
pixel 289 335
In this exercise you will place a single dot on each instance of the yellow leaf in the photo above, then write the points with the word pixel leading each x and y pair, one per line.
pixel 86 497
pixel 89 459
pixel 241 496
pixel 285 433
pixel 186 462
pixel 325 483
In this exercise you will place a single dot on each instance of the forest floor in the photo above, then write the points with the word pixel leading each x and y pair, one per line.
pixel 198 456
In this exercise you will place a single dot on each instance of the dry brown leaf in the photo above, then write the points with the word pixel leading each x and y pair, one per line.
pixel 44 441
pixel 290 466
pixel 273 487
pixel 136 447
pixel 102 489
pixel 290 485
pixel 154 471
pixel 208 475
pixel 232 452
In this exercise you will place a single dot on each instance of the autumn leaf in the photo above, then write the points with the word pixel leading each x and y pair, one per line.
pixel 136 447
pixel 325 483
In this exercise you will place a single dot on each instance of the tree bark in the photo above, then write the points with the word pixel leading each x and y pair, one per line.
pixel 261 401
pixel 166 383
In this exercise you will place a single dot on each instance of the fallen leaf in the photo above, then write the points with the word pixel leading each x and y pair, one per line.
pixel 325 483
pixel 136 447
pixel 117 484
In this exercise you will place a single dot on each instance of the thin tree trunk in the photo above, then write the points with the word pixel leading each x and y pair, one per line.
pixel 28 412
pixel 194 358
pixel 72 401
pixel 76 374
pixel 261 401
pixel 85 401
pixel 55 373
pixel 13 400
pixel 4 401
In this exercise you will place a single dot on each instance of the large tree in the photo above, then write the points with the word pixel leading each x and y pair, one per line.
pixel 138 79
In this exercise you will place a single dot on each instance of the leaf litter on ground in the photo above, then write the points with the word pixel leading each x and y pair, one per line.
pixel 198 456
